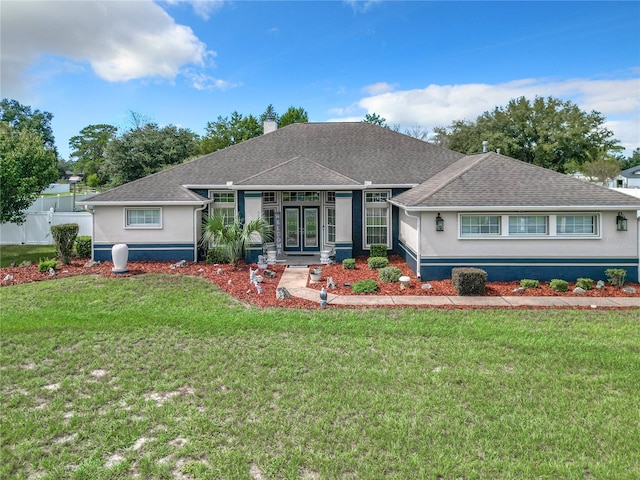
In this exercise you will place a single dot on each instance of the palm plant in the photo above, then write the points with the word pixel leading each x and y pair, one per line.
pixel 232 237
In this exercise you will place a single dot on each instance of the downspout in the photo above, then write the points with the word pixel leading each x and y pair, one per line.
pixel 418 238
pixel 195 230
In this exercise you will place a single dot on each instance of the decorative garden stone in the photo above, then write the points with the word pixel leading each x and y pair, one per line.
pixel 579 291
pixel 282 293
pixel 120 256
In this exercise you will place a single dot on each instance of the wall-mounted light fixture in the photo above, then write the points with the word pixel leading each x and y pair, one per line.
pixel 621 222
pixel 439 223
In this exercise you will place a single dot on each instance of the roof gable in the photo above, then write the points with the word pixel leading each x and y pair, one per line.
pixel 298 171
pixel 493 180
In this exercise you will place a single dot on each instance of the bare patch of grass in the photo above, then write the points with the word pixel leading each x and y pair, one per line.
pixel 180 384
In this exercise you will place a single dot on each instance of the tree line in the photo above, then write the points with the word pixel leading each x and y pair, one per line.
pixel 548 132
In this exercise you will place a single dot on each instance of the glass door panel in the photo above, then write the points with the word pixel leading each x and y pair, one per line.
pixel 310 228
pixel 292 228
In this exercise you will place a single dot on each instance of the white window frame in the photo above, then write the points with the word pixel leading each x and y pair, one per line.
pixel 480 234
pixel 329 226
pixel 144 226
pixel 213 206
pixel 524 222
pixel 552 221
pixel 379 198
pixel 594 233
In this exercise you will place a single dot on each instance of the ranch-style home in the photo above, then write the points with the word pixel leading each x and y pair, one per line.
pixel 341 187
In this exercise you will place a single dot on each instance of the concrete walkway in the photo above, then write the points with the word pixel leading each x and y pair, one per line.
pixel 294 279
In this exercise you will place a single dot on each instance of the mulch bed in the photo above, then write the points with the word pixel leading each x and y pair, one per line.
pixel 235 280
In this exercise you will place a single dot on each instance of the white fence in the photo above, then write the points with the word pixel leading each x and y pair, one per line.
pixel 60 203
pixel 37 227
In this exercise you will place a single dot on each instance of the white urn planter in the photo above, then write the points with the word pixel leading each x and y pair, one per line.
pixel 120 256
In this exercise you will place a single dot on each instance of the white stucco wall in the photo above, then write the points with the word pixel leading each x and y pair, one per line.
pixel 610 243
pixel 177 226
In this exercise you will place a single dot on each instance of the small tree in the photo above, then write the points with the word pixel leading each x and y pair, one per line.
pixel 232 237
pixel 65 236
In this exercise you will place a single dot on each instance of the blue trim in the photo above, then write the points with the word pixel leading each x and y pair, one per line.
pixel 344 194
pixel 510 269
pixel 160 252
pixel 356 224
pixel 252 195
pixel 543 269
pixel 201 192
pixel 343 250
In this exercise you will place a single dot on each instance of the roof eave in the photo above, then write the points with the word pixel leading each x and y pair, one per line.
pixel 514 208
pixel 144 203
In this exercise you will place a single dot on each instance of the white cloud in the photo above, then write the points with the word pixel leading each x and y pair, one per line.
pixel 203 8
pixel 361 5
pixel 121 40
pixel 439 105
pixel 378 88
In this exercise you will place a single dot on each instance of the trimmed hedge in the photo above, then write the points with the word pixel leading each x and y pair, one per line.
pixel 559 285
pixel 528 283
pixel 378 250
pixel 349 263
pixel 584 283
pixel 83 246
pixel 377 262
pixel 389 274
pixel 469 281
pixel 64 235
pixel 365 286
pixel 45 265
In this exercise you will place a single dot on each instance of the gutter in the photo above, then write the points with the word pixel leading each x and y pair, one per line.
pixel 195 230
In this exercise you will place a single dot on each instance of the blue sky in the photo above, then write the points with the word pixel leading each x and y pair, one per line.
pixel 415 63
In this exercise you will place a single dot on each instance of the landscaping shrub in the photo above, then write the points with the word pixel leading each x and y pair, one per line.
pixel 45 265
pixel 469 281
pixel 64 235
pixel 389 274
pixel 378 250
pixel 83 246
pixel 365 286
pixel 528 283
pixel 584 283
pixel 377 262
pixel 558 285
pixel 217 255
pixel 616 276
pixel 349 263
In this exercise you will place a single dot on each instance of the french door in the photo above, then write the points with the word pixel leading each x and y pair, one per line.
pixel 301 229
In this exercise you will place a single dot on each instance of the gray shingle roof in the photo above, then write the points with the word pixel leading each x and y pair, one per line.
pixel 493 180
pixel 633 172
pixel 339 153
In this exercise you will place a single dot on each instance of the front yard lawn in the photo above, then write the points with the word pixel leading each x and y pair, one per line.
pixel 163 376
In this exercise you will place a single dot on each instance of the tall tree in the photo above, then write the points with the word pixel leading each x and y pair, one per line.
pixel 21 117
pixel 27 167
pixel 89 149
pixel 226 131
pixel 631 161
pixel 546 132
pixel 146 150
pixel 602 170
pixel 293 115
pixel 375 119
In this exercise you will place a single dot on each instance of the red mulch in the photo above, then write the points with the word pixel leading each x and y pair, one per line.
pixel 235 281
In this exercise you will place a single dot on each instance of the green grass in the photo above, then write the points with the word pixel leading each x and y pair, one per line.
pixel 21 253
pixel 165 377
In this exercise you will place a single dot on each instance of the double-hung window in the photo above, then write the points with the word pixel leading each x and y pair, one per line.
pixel 330 217
pixel 376 218
pixel 143 217
pixel 224 205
